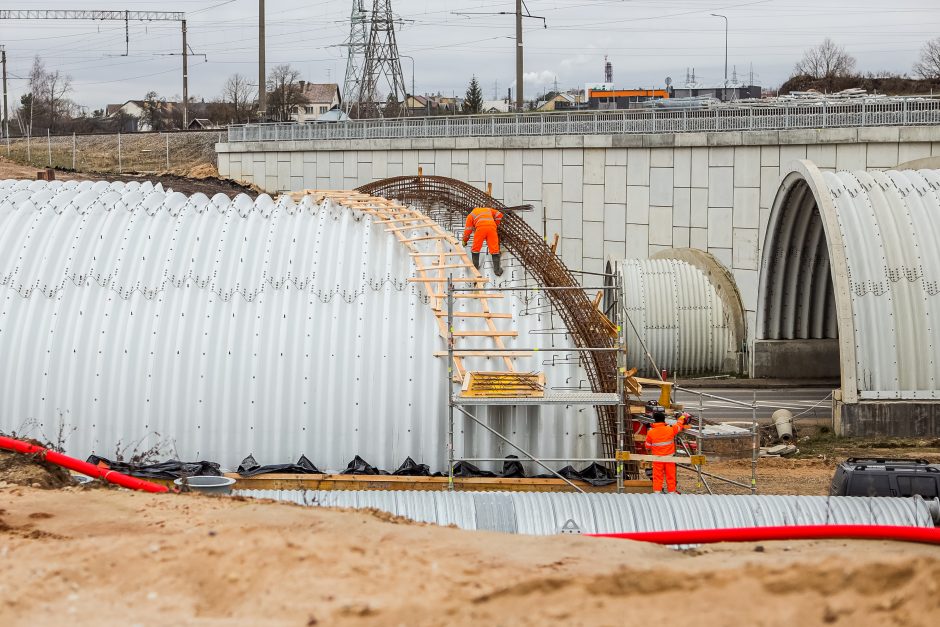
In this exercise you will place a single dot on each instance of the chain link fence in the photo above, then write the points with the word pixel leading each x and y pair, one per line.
pixel 123 153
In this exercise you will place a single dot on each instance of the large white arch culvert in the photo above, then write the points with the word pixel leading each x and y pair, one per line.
pixel 215 328
pixel 850 286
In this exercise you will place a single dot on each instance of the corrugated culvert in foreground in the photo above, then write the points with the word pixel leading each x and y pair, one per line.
pixel 545 513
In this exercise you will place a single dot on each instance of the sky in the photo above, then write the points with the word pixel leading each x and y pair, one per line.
pixel 451 40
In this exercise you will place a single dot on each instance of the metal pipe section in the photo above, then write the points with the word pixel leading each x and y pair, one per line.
pixel 545 513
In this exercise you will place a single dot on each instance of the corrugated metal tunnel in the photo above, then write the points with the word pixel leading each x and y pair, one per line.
pixel 677 313
pixel 135 318
pixel 849 288
pixel 545 513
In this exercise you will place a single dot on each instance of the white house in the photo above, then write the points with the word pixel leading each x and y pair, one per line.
pixel 318 98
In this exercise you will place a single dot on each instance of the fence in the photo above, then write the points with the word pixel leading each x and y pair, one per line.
pixel 821 114
pixel 120 153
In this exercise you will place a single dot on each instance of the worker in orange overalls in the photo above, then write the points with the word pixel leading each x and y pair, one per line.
pixel 661 440
pixel 483 222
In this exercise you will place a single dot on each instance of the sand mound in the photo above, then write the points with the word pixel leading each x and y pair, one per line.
pixel 202 171
pixel 197 560
pixel 28 470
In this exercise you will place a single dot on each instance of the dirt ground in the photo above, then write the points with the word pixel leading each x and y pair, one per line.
pixel 204 179
pixel 92 557
pixel 810 471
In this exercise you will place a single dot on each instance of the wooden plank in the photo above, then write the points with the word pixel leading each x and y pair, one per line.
pixel 444 280
pixel 278 481
pixel 466 295
pixel 695 460
pixel 473 314
pixel 486 333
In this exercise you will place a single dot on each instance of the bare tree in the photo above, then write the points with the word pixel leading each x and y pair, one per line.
pixel 825 61
pixel 240 95
pixel 154 111
pixel 928 66
pixel 284 93
pixel 49 96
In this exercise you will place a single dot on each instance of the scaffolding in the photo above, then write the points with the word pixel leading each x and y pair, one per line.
pixel 457 402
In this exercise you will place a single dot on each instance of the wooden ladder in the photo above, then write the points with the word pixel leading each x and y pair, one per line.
pixel 436 254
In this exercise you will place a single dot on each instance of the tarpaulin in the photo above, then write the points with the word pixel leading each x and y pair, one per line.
pixel 249 467
pixel 170 469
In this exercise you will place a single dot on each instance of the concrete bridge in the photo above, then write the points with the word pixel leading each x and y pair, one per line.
pixel 607 195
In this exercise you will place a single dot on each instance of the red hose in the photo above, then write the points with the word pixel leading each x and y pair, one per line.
pixel 762 534
pixel 78 465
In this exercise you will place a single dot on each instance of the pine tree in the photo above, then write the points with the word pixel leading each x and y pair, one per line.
pixel 473 103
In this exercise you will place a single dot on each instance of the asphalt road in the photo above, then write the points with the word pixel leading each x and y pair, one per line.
pixel 806 404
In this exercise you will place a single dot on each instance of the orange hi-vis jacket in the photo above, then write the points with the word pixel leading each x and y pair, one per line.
pixel 483 221
pixel 661 438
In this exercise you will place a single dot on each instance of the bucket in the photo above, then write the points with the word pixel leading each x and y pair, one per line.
pixel 783 422
pixel 207 485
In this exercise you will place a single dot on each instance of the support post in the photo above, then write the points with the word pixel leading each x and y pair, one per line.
pixel 120 157
pixel 167 135
pixel 449 389
pixel 755 443
pixel 49 146
pixel 74 150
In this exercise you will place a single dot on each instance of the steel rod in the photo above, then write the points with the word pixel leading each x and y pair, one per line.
pixel 518 448
pixel 449 382
pixel 713 476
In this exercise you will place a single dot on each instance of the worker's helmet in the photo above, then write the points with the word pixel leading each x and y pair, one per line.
pixel 659 416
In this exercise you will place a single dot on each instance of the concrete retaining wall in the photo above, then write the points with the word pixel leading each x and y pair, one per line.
pixel 903 419
pixel 796 359
pixel 608 196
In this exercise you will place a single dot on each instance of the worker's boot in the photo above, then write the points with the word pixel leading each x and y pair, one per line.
pixel 497 268
pixel 476 260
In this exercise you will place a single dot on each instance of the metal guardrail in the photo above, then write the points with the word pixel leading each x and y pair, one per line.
pixel 821 114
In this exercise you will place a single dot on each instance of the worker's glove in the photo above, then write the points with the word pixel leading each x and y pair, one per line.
pixel 465 242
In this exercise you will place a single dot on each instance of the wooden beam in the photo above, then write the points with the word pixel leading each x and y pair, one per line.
pixel 444 280
pixel 486 333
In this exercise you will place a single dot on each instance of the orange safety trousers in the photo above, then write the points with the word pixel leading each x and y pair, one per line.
pixel 486 233
pixel 665 470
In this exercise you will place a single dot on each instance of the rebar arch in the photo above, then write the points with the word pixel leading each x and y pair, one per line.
pixel 449 201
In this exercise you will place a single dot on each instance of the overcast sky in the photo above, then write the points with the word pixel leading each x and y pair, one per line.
pixel 450 40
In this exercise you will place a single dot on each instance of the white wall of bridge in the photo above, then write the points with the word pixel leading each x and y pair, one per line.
pixel 608 196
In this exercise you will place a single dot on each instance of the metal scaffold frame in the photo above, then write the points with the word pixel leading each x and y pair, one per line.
pixel 457 402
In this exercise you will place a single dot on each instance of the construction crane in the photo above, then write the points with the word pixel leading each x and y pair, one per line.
pixel 116 16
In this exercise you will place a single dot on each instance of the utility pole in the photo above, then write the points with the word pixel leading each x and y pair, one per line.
pixel 262 88
pixel 185 80
pixel 519 56
pixel 6 118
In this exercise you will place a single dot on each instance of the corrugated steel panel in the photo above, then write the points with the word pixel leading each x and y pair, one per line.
pixel 678 314
pixel 545 513
pixel 216 328
pixel 884 225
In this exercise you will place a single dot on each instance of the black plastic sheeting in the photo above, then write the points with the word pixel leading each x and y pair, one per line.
pixel 170 469
pixel 249 467
pixel 595 474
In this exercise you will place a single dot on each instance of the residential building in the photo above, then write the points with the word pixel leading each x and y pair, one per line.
pixel 317 99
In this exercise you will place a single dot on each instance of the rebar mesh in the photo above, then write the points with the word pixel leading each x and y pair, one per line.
pixel 449 201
